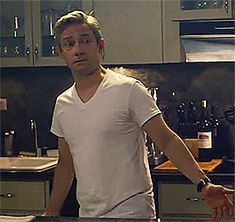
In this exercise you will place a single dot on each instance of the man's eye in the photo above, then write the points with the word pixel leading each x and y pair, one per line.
pixel 85 41
pixel 69 43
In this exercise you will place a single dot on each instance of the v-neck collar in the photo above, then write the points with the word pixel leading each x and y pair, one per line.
pixel 97 92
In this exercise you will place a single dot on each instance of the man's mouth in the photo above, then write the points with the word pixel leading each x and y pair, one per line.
pixel 80 61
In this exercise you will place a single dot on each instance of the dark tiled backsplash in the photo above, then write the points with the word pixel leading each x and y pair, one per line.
pixel 31 93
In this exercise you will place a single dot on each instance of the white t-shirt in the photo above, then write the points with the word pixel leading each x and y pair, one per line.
pixel 107 144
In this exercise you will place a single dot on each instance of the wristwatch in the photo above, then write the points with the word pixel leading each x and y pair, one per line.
pixel 202 183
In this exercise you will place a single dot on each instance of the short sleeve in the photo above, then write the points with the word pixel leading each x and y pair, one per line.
pixel 141 104
pixel 55 125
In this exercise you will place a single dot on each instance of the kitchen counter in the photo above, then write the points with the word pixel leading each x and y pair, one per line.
pixel 171 187
pixel 73 219
pixel 27 175
pixel 224 172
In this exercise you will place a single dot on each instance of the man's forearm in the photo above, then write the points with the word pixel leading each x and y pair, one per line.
pixel 63 178
pixel 179 154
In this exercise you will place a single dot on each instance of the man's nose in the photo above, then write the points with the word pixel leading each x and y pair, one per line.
pixel 78 48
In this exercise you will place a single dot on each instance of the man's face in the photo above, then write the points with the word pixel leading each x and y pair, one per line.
pixel 79 49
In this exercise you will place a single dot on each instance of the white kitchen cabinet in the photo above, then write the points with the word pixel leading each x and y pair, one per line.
pixel 199 9
pixel 23 197
pixel 177 200
pixel 132 31
pixel 27 31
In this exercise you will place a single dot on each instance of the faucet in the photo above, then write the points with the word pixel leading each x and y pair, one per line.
pixel 33 127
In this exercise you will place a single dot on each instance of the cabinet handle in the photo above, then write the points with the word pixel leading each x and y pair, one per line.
pixel 224 28
pixel 7 195
pixel 36 50
pixel 226 5
pixel 27 52
pixel 195 199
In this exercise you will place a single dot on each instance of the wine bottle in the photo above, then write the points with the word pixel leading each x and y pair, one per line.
pixel 191 120
pixel 204 135
pixel 181 119
pixel 214 127
pixel 214 119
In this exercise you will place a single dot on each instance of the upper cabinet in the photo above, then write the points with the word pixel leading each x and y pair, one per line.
pixel 132 31
pixel 200 9
pixel 15 33
pixel 173 12
pixel 27 37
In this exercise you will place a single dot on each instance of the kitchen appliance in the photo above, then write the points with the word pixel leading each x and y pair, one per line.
pixel 208 41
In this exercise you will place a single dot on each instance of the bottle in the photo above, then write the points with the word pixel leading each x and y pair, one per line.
pixel 204 135
pixel 181 119
pixel 16 27
pixel 191 120
pixel 214 119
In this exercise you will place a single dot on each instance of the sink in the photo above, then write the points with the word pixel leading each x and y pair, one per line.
pixel 27 163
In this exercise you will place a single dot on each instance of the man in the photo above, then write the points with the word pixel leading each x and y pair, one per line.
pixel 100 122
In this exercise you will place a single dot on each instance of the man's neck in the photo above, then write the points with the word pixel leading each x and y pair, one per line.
pixel 88 81
pixel 86 86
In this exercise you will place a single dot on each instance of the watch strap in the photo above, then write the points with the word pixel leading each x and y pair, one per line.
pixel 202 183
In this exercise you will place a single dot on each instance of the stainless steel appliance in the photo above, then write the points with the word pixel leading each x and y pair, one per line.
pixel 208 41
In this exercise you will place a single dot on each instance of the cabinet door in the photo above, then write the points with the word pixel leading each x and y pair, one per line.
pixel 16 39
pixel 22 196
pixel 199 9
pixel 182 200
pixel 131 29
pixel 45 14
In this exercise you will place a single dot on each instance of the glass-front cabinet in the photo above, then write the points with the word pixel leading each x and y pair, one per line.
pixel 27 35
pixel 201 9
pixel 15 33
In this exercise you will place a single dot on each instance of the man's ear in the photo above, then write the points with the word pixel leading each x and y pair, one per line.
pixel 101 43
pixel 59 51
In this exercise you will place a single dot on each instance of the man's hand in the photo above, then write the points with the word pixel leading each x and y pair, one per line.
pixel 217 199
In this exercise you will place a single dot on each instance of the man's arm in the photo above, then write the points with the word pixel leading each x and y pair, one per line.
pixel 175 149
pixel 63 178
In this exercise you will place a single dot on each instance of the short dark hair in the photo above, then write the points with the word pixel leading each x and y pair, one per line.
pixel 77 17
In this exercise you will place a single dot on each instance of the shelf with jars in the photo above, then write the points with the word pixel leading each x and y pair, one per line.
pixel 27 37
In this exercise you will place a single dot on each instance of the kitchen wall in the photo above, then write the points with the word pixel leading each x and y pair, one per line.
pixel 31 92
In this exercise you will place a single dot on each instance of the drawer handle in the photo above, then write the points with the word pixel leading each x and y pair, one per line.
pixel 7 195
pixel 194 199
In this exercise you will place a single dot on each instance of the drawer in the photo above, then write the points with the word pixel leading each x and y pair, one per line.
pixel 182 199
pixel 21 195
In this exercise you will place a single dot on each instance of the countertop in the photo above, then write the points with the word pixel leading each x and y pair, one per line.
pixel 225 172
pixel 73 219
pixel 27 175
